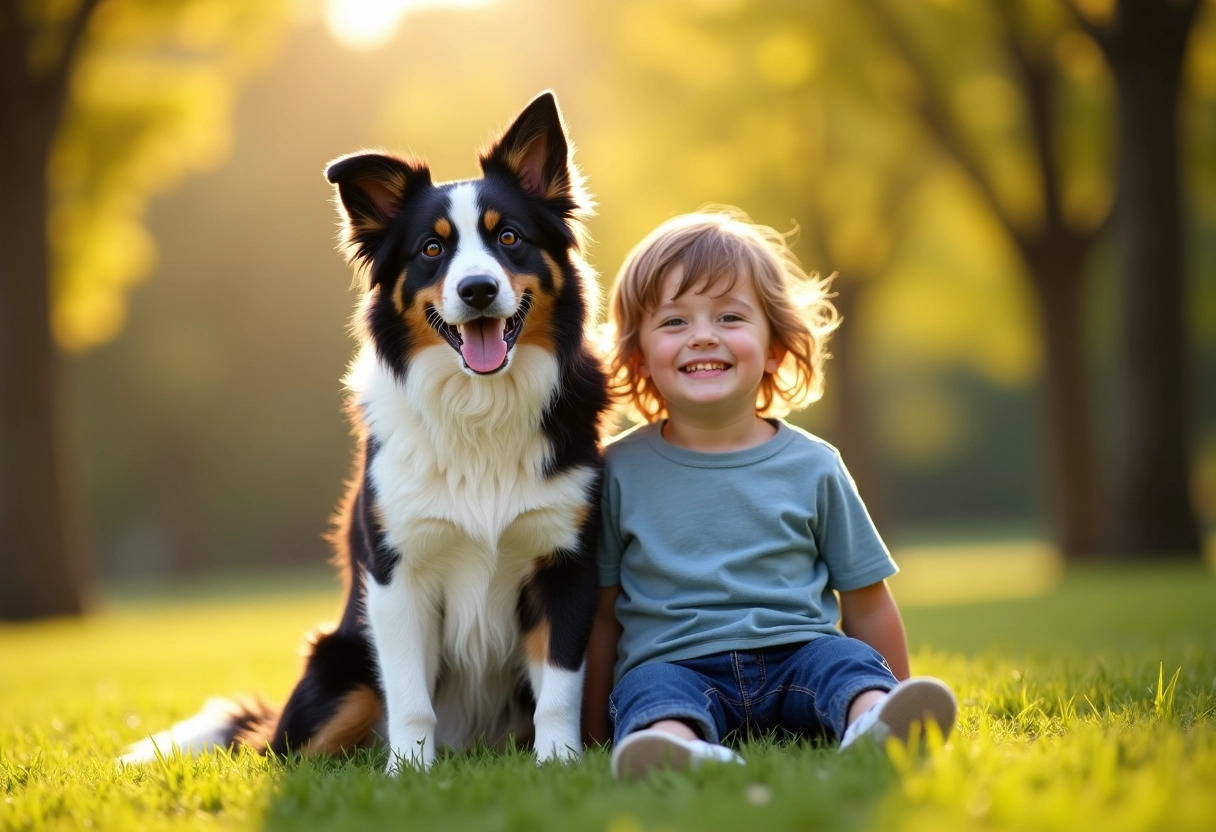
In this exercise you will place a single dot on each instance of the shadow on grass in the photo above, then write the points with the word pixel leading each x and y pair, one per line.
pixel 785 785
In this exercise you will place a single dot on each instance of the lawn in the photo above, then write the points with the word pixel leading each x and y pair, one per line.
pixel 1088 702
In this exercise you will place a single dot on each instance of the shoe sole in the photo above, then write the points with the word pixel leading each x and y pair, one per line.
pixel 643 752
pixel 916 702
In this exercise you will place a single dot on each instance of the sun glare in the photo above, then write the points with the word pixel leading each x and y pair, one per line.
pixel 369 24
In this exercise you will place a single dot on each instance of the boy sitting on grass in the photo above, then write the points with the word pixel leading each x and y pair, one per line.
pixel 728 532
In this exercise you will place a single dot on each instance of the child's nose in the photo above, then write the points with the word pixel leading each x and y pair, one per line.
pixel 704 333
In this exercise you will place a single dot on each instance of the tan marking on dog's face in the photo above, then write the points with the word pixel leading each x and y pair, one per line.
pixel 491 218
pixel 399 294
pixel 422 334
pixel 555 272
pixel 538 325
pixel 351 725
pixel 443 228
pixel 536 643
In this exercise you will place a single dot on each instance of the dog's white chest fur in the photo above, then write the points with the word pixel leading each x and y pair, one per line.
pixel 459 483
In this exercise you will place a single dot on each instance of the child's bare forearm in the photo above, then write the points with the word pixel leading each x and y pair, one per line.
pixel 871 615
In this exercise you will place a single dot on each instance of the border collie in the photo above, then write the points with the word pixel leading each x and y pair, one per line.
pixel 468 530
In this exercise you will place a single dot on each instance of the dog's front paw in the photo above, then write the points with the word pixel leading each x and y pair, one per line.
pixel 558 750
pixel 418 755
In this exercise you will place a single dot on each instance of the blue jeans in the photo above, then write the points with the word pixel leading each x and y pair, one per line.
pixel 805 689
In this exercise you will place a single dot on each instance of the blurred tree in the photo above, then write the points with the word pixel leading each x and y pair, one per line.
pixel 784 110
pixel 977 129
pixel 1053 242
pixel 104 104
pixel 1035 43
pixel 43 574
pixel 760 125
pixel 1152 514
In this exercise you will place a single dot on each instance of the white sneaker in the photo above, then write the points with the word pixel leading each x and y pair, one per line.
pixel 644 751
pixel 911 702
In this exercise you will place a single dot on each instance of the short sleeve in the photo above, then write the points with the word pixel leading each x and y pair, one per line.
pixel 846 537
pixel 610 545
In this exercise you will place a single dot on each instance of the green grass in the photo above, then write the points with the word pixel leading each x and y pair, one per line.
pixel 1089 702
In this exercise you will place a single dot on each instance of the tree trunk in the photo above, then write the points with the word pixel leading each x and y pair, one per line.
pixel 40 573
pixel 1152 513
pixel 1072 486
pixel 853 432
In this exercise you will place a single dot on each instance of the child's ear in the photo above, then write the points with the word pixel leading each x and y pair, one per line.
pixel 639 365
pixel 776 355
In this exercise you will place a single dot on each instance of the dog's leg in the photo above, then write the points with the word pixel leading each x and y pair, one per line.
pixel 559 696
pixel 404 625
pixel 559 604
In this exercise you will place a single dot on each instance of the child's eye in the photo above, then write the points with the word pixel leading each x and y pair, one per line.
pixel 731 317
pixel 672 322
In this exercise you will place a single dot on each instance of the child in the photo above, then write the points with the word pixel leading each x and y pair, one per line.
pixel 727 532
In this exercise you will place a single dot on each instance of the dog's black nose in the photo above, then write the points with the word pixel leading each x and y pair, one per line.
pixel 478 290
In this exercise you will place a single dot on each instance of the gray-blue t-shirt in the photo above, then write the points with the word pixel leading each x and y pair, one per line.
pixel 730 551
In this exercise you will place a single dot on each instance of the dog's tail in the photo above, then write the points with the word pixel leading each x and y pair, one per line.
pixel 222 723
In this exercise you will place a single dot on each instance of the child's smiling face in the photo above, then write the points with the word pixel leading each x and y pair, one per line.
pixel 708 349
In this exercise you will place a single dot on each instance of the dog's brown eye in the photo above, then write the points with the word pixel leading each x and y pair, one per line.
pixel 508 237
pixel 432 248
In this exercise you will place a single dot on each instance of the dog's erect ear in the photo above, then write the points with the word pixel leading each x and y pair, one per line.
pixel 536 152
pixel 370 189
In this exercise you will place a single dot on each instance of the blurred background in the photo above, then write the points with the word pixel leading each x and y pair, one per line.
pixel 1018 198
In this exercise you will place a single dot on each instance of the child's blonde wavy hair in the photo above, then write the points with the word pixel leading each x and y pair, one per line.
pixel 718 246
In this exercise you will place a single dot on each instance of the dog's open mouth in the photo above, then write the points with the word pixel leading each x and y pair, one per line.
pixel 483 343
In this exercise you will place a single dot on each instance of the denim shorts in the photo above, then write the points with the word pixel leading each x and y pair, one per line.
pixel 804 689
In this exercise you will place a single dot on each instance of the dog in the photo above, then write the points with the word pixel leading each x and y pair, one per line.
pixel 468 529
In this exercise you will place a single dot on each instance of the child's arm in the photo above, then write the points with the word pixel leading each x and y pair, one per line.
pixel 870 615
pixel 601 659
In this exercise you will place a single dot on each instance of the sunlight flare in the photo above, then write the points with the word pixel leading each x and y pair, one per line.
pixel 370 24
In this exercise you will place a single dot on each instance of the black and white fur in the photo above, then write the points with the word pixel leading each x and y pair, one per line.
pixel 468 530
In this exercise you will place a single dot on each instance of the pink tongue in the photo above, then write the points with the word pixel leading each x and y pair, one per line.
pixel 484 349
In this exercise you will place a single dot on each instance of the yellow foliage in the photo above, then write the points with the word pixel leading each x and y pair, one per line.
pixel 95 274
pixel 719 7
pixel 150 103
pixel 669 45
pixel 1097 11
pixel 1018 183
pixel 204 26
pixel 49 11
pixel 782 142
pixel 717 169
pixel 897 81
pixel 1081 59
pixel 989 101
pixel 967 304
pixel 185 103
pixel 1086 196
pixel 787 58
pixel 1200 67
pixel 860 243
